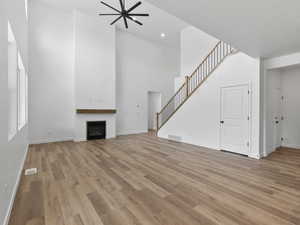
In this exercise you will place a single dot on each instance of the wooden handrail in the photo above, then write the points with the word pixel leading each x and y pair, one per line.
pixel 182 86
pixel 215 57
pixel 206 58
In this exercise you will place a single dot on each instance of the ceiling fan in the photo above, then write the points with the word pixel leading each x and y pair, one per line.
pixel 124 13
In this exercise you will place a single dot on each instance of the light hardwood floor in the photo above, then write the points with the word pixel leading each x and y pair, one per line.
pixel 143 180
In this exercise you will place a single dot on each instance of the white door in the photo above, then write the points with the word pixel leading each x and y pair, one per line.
pixel 235 119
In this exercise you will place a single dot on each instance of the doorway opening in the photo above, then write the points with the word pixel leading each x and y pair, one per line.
pixel 283 109
pixel 154 106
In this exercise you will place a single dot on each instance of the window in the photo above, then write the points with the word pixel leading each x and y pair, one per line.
pixel 17 88
pixel 12 85
pixel 26 111
pixel 22 93
pixel 26 8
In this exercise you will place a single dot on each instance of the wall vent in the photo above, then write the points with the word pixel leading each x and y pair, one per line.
pixel 175 138
pixel 31 171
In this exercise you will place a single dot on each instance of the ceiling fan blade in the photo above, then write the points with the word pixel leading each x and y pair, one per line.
pixel 110 6
pixel 113 22
pixel 109 14
pixel 134 20
pixel 133 7
pixel 122 5
pixel 125 21
pixel 139 14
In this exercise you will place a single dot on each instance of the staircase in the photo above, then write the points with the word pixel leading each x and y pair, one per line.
pixel 193 82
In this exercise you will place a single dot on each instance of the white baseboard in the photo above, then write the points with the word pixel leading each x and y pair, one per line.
pixel 131 132
pixel 77 140
pixel 265 154
pixel 295 146
pixel 254 156
pixel 50 140
pixel 15 190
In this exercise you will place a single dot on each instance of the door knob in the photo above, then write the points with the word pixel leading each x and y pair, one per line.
pixel 222 121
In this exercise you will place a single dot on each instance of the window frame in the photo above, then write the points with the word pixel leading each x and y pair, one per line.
pixel 21 72
pixel 18 105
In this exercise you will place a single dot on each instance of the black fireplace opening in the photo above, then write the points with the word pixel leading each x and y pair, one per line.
pixel 96 130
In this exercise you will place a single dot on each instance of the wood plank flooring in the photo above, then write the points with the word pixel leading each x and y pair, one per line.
pixel 143 180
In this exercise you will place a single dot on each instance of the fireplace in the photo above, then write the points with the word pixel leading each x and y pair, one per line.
pixel 96 130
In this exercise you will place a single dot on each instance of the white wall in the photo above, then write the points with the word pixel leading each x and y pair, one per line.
pixel 95 63
pixel 142 66
pixel 51 82
pixel 95 72
pixel 290 79
pixel 72 66
pixel 195 45
pixel 12 153
pixel 282 61
pixel 154 106
pixel 198 121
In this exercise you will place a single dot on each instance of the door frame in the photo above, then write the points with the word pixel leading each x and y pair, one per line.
pixel 278 127
pixel 249 85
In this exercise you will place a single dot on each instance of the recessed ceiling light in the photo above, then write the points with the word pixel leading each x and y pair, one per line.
pixel 163 35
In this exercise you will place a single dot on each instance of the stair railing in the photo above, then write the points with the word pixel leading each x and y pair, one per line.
pixel 193 82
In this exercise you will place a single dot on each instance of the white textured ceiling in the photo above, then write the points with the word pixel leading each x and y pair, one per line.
pixel 262 28
pixel 158 22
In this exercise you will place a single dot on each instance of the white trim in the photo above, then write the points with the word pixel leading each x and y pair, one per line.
pixel 295 146
pixel 131 132
pixel 282 61
pixel 84 139
pixel 189 143
pixel 254 156
pixel 16 186
pixel 250 122
pixel 265 154
pixel 50 140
